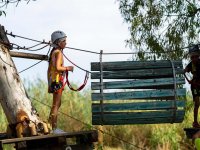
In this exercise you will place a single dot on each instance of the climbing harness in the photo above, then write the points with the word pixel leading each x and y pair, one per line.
pixel 62 86
pixel 82 86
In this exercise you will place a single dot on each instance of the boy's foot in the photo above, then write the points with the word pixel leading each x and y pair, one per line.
pixel 196 125
pixel 58 131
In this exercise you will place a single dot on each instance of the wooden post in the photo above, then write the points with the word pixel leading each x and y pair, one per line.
pixel 13 98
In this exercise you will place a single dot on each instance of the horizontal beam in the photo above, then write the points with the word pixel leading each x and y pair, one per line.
pixel 154 105
pixel 131 65
pixel 163 83
pixel 149 94
pixel 28 55
pixel 138 74
pixel 41 137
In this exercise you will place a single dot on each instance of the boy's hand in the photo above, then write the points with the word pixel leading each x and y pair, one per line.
pixel 70 68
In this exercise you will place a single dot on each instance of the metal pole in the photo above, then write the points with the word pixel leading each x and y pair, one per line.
pixel 101 84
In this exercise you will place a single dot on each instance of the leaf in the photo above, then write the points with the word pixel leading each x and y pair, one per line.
pixel 161 26
pixel 2 13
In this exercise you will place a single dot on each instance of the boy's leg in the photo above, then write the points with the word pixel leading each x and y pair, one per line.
pixel 54 109
pixel 196 107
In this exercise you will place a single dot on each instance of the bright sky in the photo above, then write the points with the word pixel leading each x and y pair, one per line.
pixel 89 24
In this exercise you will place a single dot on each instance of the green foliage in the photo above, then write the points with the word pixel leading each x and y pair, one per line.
pixel 163 27
pixel 4 4
pixel 165 134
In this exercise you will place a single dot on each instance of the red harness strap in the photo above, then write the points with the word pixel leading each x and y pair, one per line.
pixel 67 80
pixel 81 87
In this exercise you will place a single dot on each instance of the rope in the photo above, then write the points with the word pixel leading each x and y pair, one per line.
pixel 28 48
pixel 81 87
pixel 74 63
pixel 31 66
pixel 35 63
pixel 83 50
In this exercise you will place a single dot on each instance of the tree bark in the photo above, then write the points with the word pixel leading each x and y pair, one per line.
pixel 13 98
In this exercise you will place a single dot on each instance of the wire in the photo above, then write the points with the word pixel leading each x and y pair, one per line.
pixel 31 66
pixel 35 63
pixel 13 35
pixel 124 141
pixel 82 50
pixel 74 63
pixel 6 62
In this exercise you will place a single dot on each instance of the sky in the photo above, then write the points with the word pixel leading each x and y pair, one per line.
pixel 92 25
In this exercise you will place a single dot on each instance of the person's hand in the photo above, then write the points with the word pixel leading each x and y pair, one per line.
pixel 70 68
pixel 190 81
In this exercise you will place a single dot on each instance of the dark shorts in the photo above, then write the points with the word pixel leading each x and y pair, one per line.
pixel 195 91
pixel 55 87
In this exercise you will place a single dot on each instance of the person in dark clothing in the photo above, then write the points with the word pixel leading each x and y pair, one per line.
pixel 194 68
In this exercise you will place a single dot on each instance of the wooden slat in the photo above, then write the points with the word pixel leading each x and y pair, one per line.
pixel 131 65
pixel 139 118
pixel 137 121
pixel 161 83
pixel 155 105
pixel 149 94
pixel 66 135
pixel 137 115
pixel 138 74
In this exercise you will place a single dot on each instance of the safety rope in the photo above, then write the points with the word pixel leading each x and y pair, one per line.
pixel 67 75
pixel 70 86
pixel 79 88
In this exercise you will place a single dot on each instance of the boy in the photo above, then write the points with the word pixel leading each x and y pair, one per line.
pixel 194 68
pixel 56 72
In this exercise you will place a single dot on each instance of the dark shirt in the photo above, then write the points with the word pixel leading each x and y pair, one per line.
pixel 194 69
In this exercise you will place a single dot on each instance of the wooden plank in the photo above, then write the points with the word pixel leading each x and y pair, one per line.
pixel 137 121
pixel 155 105
pixel 138 74
pixel 67 135
pixel 138 115
pixel 160 83
pixel 28 55
pixel 149 94
pixel 131 65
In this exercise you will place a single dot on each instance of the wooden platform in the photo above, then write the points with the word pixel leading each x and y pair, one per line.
pixel 67 141
pixel 190 132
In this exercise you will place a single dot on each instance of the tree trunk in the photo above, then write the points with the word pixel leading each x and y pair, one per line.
pixel 14 100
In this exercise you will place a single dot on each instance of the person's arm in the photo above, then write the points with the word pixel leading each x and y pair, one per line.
pixel 59 67
pixel 187 70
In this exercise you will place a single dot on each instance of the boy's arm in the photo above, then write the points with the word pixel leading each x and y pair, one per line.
pixel 186 70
